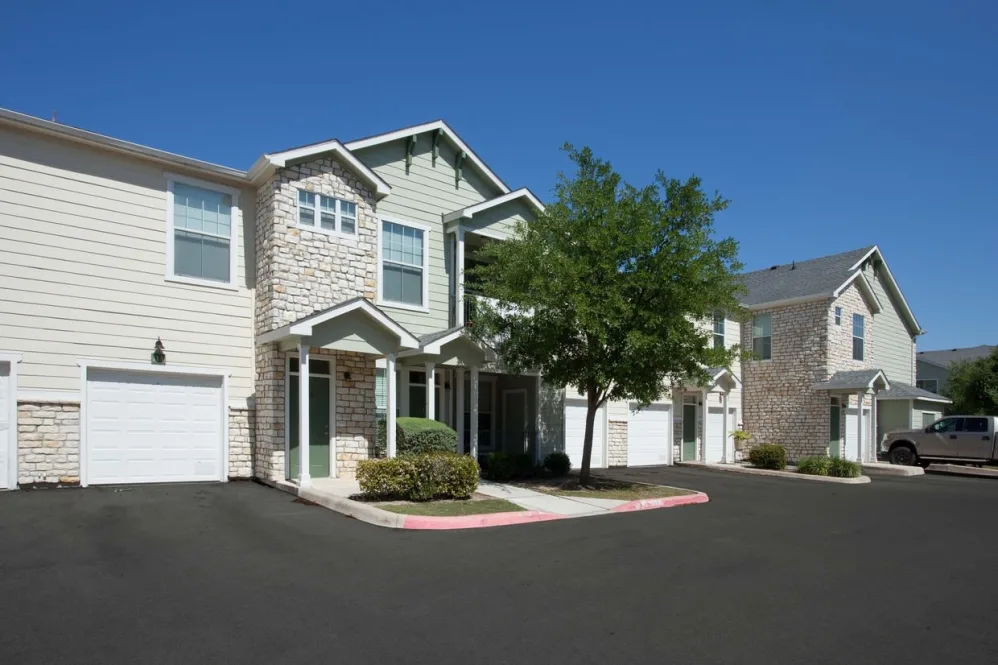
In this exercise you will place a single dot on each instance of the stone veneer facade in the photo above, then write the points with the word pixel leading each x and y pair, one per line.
pixel 241 433
pixel 48 443
pixel 300 272
pixel 807 348
pixel 617 443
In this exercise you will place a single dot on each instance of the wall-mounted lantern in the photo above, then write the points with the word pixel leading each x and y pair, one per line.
pixel 159 352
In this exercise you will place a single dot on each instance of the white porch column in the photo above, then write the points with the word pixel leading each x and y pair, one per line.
pixel 724 405
pixel 459 271
pixel 474 412
pixel 871 454
pixel 390 405
pixel 704 412
pixel 404 391
pixel 303 425
pixel 859 424
pixel 538 421
pixel 459 387
pixel 431 391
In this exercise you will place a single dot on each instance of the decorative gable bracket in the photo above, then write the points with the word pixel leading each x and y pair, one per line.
pixel 458 164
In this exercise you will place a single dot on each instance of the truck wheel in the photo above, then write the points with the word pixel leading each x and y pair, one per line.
pixel 903 456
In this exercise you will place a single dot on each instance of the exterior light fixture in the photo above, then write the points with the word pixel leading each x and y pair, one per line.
pixel 159 352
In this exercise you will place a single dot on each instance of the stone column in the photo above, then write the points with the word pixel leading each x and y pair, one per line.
pixel 303 424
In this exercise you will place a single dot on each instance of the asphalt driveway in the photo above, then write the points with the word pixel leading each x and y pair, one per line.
pixel 771 571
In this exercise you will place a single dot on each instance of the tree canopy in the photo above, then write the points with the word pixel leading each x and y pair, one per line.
pixel 973 386
pixel 611 290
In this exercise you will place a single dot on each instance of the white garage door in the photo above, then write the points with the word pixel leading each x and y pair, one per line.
pixel 648 437
pixel 153 428
pixel 575 432
pixel 715 432
pixel 852 442
pixel 7 428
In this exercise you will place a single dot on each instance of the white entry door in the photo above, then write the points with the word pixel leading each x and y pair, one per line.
pixel 715 435
pixel 648 434
pixel 852 442
pixel 153 427
pixel 575 432
pixel 7 428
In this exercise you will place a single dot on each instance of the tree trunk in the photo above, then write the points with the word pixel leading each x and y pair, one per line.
pixel 587 442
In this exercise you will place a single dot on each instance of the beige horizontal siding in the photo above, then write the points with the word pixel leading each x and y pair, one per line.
pixel 82 266
pixel 424 195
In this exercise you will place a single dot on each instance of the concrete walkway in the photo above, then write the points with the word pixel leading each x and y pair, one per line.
pixel 559 505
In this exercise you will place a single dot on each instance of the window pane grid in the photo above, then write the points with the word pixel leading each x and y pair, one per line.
pixel 402 263
pixel 334 214
pixel 202 233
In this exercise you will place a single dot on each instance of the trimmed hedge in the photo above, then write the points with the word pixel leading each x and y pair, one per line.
pixel 419 477
pixel 558 464
pixel 843 468
pixel 415 435
pixel 768 456
pixel 503 467
pixel 814 466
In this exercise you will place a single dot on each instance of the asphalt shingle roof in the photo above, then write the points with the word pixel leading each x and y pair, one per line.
pixel 851 380
pixel 801 279
pixel 900 390
pixel 946 357
pixel 434 336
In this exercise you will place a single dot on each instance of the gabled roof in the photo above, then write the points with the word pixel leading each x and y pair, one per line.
pixel 821 278
pixel 451 135
pixel 858 379
pixel 267 163
pixel 946 357
pixel 904 391
pixel 470 211
pixel 304 326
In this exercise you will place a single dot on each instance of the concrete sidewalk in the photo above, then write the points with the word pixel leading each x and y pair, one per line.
pixel 559 505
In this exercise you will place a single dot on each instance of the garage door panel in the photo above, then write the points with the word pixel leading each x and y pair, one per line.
pixel 648 435
pixel 575 432
pixel 153 428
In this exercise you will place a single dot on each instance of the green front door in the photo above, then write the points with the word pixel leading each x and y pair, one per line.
pixel 689 432
pixel 835 430
pixel 318 420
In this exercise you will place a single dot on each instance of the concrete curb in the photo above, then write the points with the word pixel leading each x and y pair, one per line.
pixel 893 470
pixel 862 480
pixel 355 509
pixel 477 521
pixel 960 470
pixel 662 502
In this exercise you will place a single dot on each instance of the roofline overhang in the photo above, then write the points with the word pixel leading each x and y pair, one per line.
pixel 863 284
pixel 940 399
pixel 267 164
pixel 305 327
pixel 913 326
pixel 788 301
pixel 470 211
pixel 824 385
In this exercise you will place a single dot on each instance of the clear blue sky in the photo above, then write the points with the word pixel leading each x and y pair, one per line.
pixel 830 126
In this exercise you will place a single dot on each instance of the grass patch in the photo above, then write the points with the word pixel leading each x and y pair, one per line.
pixel 452 508
pixel 602 488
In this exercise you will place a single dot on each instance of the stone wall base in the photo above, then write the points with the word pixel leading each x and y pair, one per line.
pixel 48 444
pixel 617 443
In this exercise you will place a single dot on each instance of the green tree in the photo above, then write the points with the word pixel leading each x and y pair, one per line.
pixel 609 289
pixel 973 386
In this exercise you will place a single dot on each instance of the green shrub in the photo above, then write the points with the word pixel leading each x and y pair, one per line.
pixel 558 464
pixel 768 456
pixel 524 464
pixel 380 438
pixel 419 477
pixel 500 467
pixel 843 468
pixel 423 435
pixel 814 466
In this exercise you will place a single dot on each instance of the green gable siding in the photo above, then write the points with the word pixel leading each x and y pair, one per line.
pixel 893 348
pixel 424 195
pixel 501 220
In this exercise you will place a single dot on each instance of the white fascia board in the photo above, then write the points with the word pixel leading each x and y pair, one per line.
pixel 863 284
pixel 788 301
pixel 913 325
pixel 865 257
pixel 58 130
pixel 274 335
pixel 738 383
pixel 471 211
pixel 429 127
pixel 304 327
pixel 281 159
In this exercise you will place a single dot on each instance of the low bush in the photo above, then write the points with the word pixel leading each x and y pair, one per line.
pixel 558 464
pixel 380 438
pixel 419 477
pixel 843 468
pixel 814 466
pixel 768 456
pixel 500 467
pixel 524 464
pixel 423 435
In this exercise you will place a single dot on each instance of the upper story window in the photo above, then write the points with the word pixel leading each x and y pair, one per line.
pixel 838 316
pixel 718 330
pixel 200 241
pixel 762 337
pixel 403 258
pixel 334 215
pixel 858 339
pixel 932 385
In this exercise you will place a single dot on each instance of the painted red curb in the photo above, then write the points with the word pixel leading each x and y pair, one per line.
pixel 664 502
pixel 477 521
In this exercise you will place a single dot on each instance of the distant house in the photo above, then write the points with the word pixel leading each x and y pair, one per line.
pixel 933 367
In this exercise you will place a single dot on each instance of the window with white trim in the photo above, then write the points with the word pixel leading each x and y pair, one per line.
pixel 718 330
pixel 334 215
pixel 762 337
pixel 403 264
pixel 838 316
pixel 858 339
pixel 201 230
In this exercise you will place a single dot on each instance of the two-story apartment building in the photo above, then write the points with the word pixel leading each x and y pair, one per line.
pixel 832 343
pixel 168 319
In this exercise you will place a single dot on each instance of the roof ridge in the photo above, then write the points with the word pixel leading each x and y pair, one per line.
pixel 858 250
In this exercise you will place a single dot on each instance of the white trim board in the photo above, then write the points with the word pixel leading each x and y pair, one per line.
pixel 470 211
pixel 303 327
pixel 13 359
pixel 235 223
pixel 425 307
